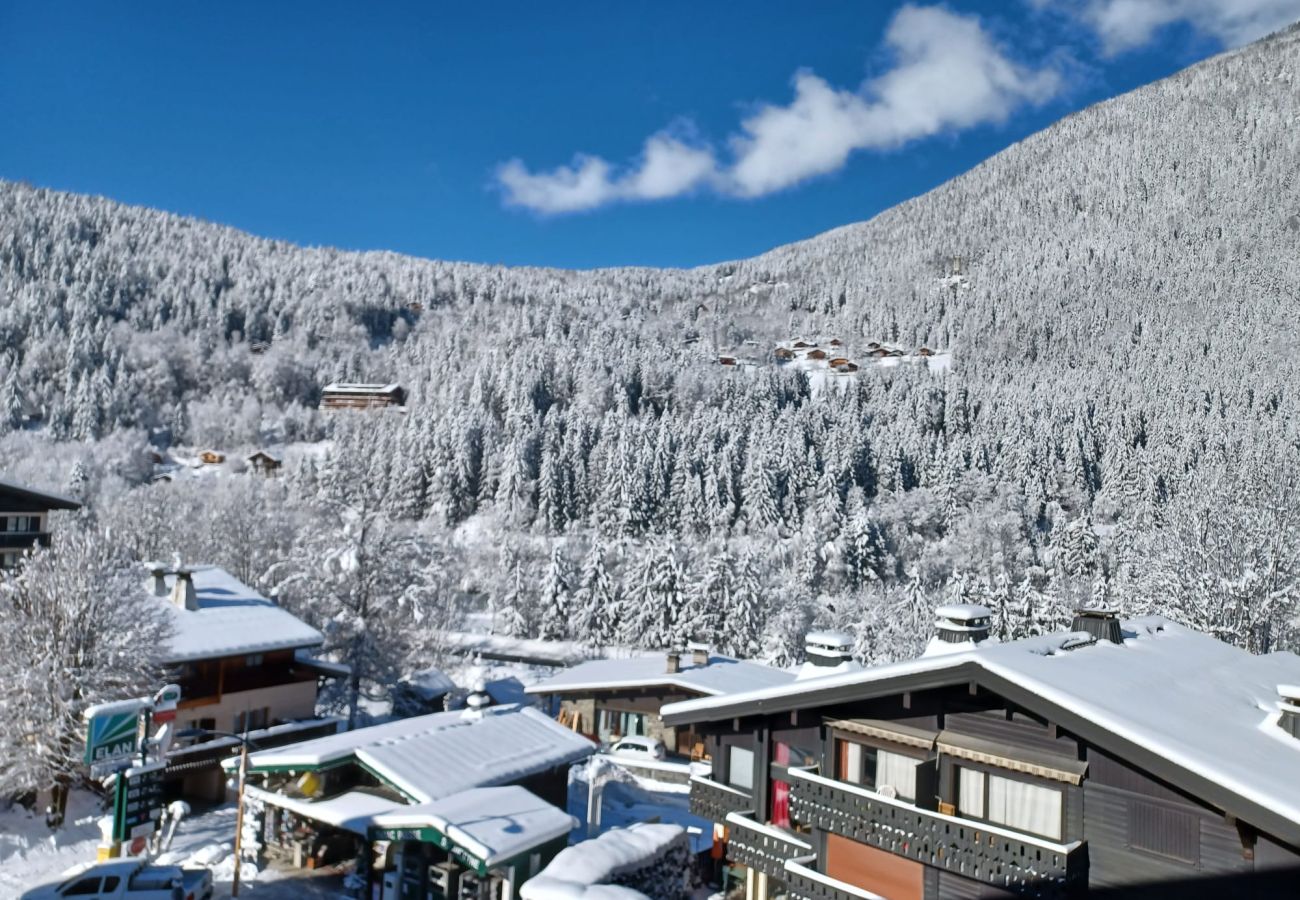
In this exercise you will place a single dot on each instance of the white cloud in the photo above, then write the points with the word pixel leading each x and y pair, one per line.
pixel 667 168
pixel 948 74
pixel 1125 24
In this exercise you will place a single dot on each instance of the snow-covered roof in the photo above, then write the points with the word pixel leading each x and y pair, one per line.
pixel 963 612
pixel 339 387
pixel 44 499
pixel 431 757
pixel 576 870
pixel 1171 695
pixel 232 619
pixel 352 811
pixel 493 824
pixel 431 683
pixel 721 675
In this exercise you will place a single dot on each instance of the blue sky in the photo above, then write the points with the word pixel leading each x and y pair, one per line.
pixel 576 135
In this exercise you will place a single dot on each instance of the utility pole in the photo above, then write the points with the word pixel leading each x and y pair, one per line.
pixel 239 814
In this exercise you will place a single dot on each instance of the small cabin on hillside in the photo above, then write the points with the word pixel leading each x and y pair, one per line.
pixel 846 368
pixel 816 354
pixel 212 457
pixel 727 360
pixel 802 345
pixel 784 354
pixel 925 351
pixel 837 361
pixel 836 342
pixel 265 463
pixel 341 395
pixel 878 353
pixel 872 345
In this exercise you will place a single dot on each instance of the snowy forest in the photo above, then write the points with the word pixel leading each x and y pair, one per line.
pixel 1119 295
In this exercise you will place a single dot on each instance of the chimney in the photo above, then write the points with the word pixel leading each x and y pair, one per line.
pixel 158 580
pixel 1102 622
pixel 828 649
pixel 1289 703
pixel 183 595
pixel 674 662
pixel 699 653
pixel 963 623
pixel 477 702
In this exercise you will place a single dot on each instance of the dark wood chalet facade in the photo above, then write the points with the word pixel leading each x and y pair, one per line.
pixel 978 773
pixel 25 520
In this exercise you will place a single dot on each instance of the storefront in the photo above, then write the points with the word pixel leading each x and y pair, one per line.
pixel 483 843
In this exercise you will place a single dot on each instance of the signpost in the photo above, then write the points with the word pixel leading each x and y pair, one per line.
pixel 139 801
pixel 113 734
pixel 118 742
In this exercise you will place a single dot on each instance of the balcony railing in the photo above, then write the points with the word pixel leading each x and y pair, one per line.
pixel 764 848
pixel 714 801
pixel 975 850
pixel 10 540
pixel 804 882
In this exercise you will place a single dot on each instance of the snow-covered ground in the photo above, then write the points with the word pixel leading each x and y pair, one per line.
pixel 627 799
pixel 30 855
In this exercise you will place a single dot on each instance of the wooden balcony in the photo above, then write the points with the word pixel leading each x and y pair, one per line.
pixel 714 801
pixel 764 848
pixel 804 882
pixel 987 853
pixel 21 540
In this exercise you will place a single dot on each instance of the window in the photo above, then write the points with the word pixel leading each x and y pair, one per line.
pixel 970 793
pixel 253 660
pixel 111 883
pixel 740 768
pixel 851 762
pixel 897 771
pixel 1024 806
pixel 86 887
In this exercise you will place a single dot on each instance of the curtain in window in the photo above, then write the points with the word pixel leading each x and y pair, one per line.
pixel 852 762
pixel 898 771
pixel 970 793
pixel 780 803
pixel 1025 807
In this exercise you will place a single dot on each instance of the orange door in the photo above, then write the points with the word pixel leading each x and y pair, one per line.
pixel 879 871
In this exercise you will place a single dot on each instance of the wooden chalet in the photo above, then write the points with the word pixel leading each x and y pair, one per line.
pixel 212 458
pixel 802 345
pixel 264 462
pixel 836 342
pixel 1130 758
pixel 606 699
pixel 727 360
pixel 837 361
pixel 783 354
pixel 242 664
pixel 878 353
pixel 817 354
pixel 924 351
pixel 25 519
pixel 339 395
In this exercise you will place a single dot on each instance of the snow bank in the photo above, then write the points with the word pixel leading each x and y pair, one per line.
pixel 622 864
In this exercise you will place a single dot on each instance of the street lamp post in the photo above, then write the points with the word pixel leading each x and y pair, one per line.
pixel 244 744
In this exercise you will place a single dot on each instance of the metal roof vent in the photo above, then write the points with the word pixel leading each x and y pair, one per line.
pixel 1289 703
pixel 1100 621
pixel 963 623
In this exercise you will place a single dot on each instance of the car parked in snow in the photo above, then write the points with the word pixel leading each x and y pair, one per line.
pixel 129 880
pixel 638 747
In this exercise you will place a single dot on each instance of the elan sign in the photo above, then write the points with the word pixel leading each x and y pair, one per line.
pixel 113 732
